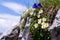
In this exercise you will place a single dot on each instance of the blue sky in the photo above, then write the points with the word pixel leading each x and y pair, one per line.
pixel 11 11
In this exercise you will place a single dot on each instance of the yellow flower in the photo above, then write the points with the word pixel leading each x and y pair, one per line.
pixel 43 19
pixel 38 16
pixel 45 26
pixel 31 13
pixel 36 25
pixel 39 21
pixel 41 11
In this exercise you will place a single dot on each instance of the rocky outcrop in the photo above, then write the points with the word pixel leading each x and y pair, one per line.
pixel 54 29
pixel 55 33
pixel 13 35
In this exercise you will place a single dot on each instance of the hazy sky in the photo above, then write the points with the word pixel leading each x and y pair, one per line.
pixel 10 12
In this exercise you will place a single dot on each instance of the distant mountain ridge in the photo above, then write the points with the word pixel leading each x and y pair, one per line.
pixel 1 34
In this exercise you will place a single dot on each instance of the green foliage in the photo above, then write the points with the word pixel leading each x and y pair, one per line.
pixel 49 3
pixel 50 7
pixel 39 33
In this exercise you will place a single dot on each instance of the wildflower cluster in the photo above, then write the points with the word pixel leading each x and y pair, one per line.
pixel 39 23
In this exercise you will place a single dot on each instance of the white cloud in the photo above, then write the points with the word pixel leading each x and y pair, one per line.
pixel 8 21
pixel 14 6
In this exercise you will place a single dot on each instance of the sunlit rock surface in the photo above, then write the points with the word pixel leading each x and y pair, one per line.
pixel 56 21
pixel 55 27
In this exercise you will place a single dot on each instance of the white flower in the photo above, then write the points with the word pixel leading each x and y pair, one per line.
pixel 43 23
pixel 42 27
pixel 34 9
pixel 43 19
pixel 41 11
pixel 31 13
pixel 39 21
pixel 38 16
pixel 34 14
pixel 45 26
pixel 36 25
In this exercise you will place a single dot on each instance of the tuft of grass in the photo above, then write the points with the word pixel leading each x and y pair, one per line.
pixel 51 7
pixel 50 3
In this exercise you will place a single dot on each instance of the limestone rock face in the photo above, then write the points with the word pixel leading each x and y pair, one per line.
pixel 55 33
pixel 55 27
pixel 56 21
pixel 13 35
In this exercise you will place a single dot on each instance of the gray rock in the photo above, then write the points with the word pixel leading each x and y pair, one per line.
pixel 55 27
pixel 56 21
pixel 13 35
